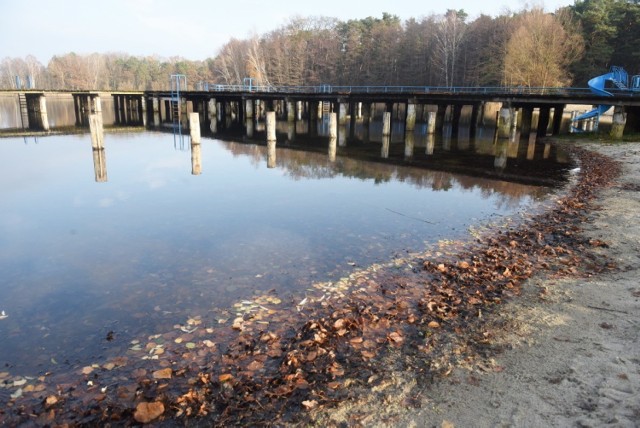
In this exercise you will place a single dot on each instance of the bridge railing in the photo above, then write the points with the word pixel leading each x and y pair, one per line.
pixel 415 90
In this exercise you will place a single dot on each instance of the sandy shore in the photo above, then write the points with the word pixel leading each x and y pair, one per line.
pixel 566 352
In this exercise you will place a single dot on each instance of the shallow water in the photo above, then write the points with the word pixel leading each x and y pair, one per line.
pixel 144 243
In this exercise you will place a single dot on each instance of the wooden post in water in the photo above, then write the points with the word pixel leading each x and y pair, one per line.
pixel 44 118
pixel 619 122
pixel 271 126
pixel 194 127
pixel 97 133
pixel 386 123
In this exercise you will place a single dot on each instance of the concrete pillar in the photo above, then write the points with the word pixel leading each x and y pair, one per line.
pixel 473 123
pixel 359 110
pixel 271 126
pixel 386 141
pixel 619 122
pixel 100 165
pixel 291 132
pixel 430 143
pixel 442 110
pixel 543 121
pixel 271 149
pixel 431 123
pixel 500 160
pixel 342 119
pixel 248 108
pixel 410 122
pixel 97 133
pixel 527 118
pixel 503 123
pixel 333 125
pixel 249 127
pixel 366 122
pixel 291 111
pixel 194 127
pixel 155 105
pixel 455 120
pixel 558 112
pixel 196 158
pixel 299 109
pixel 409 143
pixel 386 123
pixel 333 148
pixel 44 118
pixel 352 121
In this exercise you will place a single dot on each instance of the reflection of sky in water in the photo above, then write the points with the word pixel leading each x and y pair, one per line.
pixel 77 257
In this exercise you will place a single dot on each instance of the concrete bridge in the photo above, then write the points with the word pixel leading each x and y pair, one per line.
pixel 508 107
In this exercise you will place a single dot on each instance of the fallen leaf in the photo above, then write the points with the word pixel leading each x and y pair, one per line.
pixel 225 378
pixel 310 404
pixel 433 324
pixel 51 400
pixel 146 412
pixel 163 373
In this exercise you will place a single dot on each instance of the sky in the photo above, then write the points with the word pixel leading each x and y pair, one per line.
pixel 192 29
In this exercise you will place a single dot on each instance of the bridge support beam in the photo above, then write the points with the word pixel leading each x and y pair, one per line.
pixel 333 125
pixel 386 123
pixel 543 121
pixel 558 112
pixel 503 123
pixel 410 121
pixel 409 143
pixel 525 128
pixel 619 122
pixel 431 123
pixel 291 111
pixel 473 124
pixel 366 121
pixel 440 114
pixel 44 117
pixel 455 120
pixel 342 119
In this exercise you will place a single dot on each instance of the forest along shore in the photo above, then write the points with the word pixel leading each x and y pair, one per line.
pixel 563 353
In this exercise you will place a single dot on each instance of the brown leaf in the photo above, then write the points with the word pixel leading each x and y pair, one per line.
pixel 51 400
pixel 442 268
pixel 433 324
pixel 395 337
pixel 163 373
pixel 368 354
pixel 463 265
pixel 146 412
pixel 255 366
pixel 339 324
pixel 225 378
pixel 310 404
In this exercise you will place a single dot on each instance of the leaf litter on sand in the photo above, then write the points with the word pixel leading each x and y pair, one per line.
pixel 319 349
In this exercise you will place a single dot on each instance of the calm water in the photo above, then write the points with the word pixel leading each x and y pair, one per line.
pixel 143 245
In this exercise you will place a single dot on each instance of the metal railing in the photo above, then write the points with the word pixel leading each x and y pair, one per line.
pixel 410 90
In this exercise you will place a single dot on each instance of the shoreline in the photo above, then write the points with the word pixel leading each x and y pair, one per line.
pixel 563 353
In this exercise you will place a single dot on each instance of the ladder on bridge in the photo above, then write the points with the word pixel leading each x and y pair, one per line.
pixel 178 84
pixel 24 110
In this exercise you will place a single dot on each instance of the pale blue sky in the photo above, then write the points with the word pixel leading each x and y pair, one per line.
pixel 193 29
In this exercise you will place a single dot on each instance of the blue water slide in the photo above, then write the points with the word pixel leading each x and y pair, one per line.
pixel 596 85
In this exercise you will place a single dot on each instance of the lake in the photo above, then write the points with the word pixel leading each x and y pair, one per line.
pixel 147 233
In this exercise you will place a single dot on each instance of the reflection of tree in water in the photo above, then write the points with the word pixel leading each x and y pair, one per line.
pixel 300 164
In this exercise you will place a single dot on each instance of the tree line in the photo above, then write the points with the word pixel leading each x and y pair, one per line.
pixel 529 48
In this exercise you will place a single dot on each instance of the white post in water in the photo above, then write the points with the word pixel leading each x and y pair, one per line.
pixel 386 140
pixel 333 125
pixel 342 120
pixel 194 127
pixel 409 143
pixel 431 142
pixel 155 105
pixel 619 121
pixel 386 123
pixel 97 133
pixel 298 110
pixel 411 118
pixel 271 126
pixel 291 111
pixel 333 148
pixel 431 123
pixel 196 159
pixel 503 124
pixel 44 118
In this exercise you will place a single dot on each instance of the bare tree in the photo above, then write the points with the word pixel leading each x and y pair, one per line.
pixel 449 36
pixel 540 51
